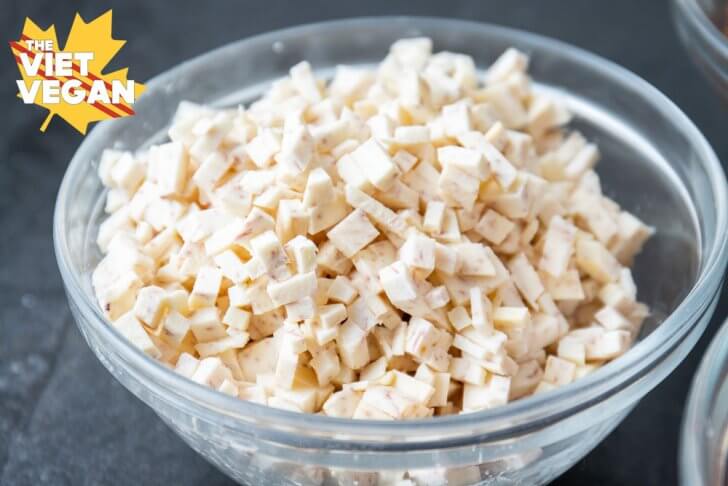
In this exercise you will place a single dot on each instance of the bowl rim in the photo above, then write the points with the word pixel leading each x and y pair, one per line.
pixel 695 460
pixel 520 416
pixel 700 21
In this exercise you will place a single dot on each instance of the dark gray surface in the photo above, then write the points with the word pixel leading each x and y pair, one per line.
pixel 63 418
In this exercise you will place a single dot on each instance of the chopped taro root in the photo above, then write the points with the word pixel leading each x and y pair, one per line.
pixel 399 243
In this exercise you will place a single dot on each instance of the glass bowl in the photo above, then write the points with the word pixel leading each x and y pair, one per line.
pixel 703 28
pixel 655 163
pixel 704 440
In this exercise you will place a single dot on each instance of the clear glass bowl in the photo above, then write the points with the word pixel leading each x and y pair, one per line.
pixel 703 28
pixel 704 440
pixel 655 163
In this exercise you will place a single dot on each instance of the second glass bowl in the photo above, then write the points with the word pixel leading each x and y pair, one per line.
pixel 703 27
pixel 704 441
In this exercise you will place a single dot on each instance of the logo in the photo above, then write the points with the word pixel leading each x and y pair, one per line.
pixel 71 82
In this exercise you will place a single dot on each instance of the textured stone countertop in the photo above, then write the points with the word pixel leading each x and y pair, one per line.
pixel 65 421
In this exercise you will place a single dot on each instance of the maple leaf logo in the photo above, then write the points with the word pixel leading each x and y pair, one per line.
pixel 84 37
